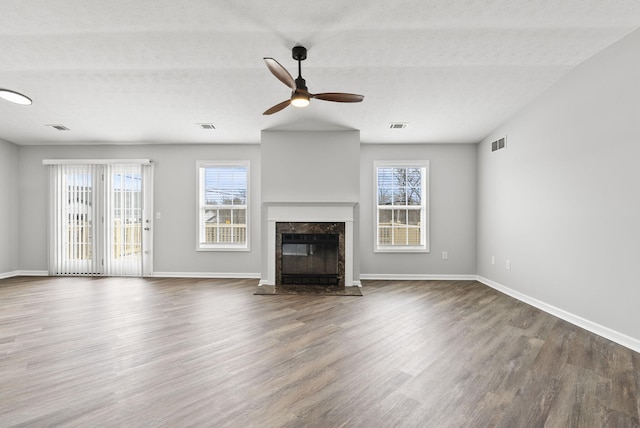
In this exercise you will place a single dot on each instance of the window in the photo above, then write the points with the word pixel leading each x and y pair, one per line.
pixel 222 205
pixel 401 206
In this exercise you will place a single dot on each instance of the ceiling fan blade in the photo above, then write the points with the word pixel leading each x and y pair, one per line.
pixel 280 72
pixel 276 108
pixel 339 97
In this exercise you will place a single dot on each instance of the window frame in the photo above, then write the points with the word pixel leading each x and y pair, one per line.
pixel 201 165
pixel 424 231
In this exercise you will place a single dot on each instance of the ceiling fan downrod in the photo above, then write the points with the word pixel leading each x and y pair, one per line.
pixel 299 53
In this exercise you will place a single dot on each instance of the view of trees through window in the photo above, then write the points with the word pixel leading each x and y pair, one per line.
pixel 400 206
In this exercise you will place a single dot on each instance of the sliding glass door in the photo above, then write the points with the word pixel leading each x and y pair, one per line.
pixel 99 223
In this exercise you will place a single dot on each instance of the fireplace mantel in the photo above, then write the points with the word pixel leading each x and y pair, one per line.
pixel 309 212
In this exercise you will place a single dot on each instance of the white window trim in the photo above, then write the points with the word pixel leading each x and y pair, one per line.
pixel 222 247
pixel 424 197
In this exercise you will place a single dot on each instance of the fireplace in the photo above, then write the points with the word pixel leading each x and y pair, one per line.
pixel 310 253
pixel 309 258
pixel 309 229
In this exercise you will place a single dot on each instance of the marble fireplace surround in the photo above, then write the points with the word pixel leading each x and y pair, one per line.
pixel 334 228
pixel 309 212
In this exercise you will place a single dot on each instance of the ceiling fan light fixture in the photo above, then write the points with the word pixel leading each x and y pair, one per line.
pixel 15 97
pixel 299 100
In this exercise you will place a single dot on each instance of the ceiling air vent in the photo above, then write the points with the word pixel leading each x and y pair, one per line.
pixel 398 125
pixel 59 127
pixel 499 144
pixel 206 125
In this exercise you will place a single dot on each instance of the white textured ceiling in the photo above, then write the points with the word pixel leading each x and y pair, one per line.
pixel 147 71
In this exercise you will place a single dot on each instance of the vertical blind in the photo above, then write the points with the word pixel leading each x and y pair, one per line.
pixel 96 220
pixel 123 220
pixel 74 243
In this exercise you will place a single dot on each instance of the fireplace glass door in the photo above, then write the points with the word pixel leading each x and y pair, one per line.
pixel 310 258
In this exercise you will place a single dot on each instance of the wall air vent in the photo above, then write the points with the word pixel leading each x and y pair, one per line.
pixel 398 125
pixel 499 144
pixel 206 125
pixel 59 127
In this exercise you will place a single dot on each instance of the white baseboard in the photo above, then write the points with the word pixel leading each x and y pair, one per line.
pixel 205 275
pixel 416 277
pixel 615 336
pixel 33 273
pixel 4 275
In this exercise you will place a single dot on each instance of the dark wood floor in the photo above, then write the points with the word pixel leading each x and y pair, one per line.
pixel 186 352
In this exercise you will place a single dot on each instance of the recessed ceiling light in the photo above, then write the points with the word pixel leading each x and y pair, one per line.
pixel 398 125
pixel 15 97
pixel 206 125
pixel 59 127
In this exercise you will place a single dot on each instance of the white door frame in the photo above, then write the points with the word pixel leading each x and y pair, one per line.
pixel 147 220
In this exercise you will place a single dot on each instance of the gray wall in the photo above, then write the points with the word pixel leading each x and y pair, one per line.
pixel 314 166
pixel 8 208
pixel 561 201
pixel 174 197
pixel 452 187
pixel 452 211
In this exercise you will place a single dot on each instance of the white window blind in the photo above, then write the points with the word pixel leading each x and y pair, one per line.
pixel 96 222
pixel 222 205
pixel 401 206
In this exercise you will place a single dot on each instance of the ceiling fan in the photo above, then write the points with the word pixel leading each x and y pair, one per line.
pixel 300 95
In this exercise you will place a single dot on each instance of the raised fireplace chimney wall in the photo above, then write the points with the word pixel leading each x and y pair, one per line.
pixel 311 168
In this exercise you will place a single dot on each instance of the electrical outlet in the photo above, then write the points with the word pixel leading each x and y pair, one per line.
pixel 508 265
pixel 445 255
pixel 493 260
